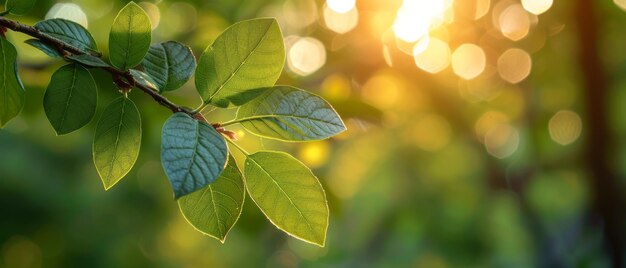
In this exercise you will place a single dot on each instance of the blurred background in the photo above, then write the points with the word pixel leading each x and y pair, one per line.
pixel 481 133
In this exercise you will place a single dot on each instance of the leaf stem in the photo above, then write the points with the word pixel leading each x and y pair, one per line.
pixel 237 146
pixel 200 108
pixel 232 122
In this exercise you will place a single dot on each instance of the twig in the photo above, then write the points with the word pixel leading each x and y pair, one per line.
pixel 117 74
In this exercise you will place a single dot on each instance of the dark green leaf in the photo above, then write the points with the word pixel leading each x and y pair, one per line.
pixel 12 95
pixel 170 64
pixel 50 51
pixel 117 141
pixel 290 114
pixel 88 60
pixel 248 55
pixel 143 79
pixel 193 153
pixel 71 98
pixel 69 32
pixel 130 37
pixel 20 7
pixel 288 194
pixel 214 209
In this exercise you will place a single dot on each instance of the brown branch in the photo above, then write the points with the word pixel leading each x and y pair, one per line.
pixel 117 74
pixel 608 199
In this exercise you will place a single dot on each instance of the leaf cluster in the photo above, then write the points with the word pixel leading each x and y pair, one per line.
pixel 239 69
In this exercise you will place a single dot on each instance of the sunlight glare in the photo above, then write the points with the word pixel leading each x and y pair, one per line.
pixel 341 23
pixel 621 4
pixel 341 6
pixel 468 61
pixel 537 6
pixel 435 58
pixel 514 65
pixel 68 11
pixel 306 56
pixel 514 22
pixel 416 18
pixel 482 8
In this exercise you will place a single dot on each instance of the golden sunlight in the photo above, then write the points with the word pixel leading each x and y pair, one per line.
pixel 306 55
pixel 537 6
pixel 435 58
pixel 416 18
pixel 468 61
pixel 341 23
pixel 620 3
pixel 341 6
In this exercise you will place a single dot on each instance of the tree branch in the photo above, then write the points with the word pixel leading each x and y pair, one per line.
pixel 117 74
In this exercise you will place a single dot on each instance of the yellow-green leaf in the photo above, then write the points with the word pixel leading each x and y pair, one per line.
pixel 288 194
pixel 247 56
pixel 130 36
pixel 117 141
pixel 214 209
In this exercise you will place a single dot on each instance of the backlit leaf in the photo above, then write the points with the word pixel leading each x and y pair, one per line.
pixel 130 37
pixel 290 114
pixel 170 64
pixel 247 56
pixel 288 194
pixel 117 141
pixel 12 95
pixel 71 98
pixel 214 209
pixel 193 153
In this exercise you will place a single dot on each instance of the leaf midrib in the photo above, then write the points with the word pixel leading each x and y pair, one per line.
pixel 261 117
pixel 232 75
pixel 286 195
pixel 69 98
pixel 117 139
pixel 194 152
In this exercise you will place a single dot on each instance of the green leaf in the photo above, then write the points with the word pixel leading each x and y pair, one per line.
pixel 290 114
pixel 248 55
pixel 288 194
pixel 12 95
pixel 117 141
pixel 214 209
pixel 170 64
pixel 193 153
pixel 69 32
pixel 89 60
pixel 143 79
pixel 20 7
pixel 71 98
pixel 48 50
pixel 130 37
